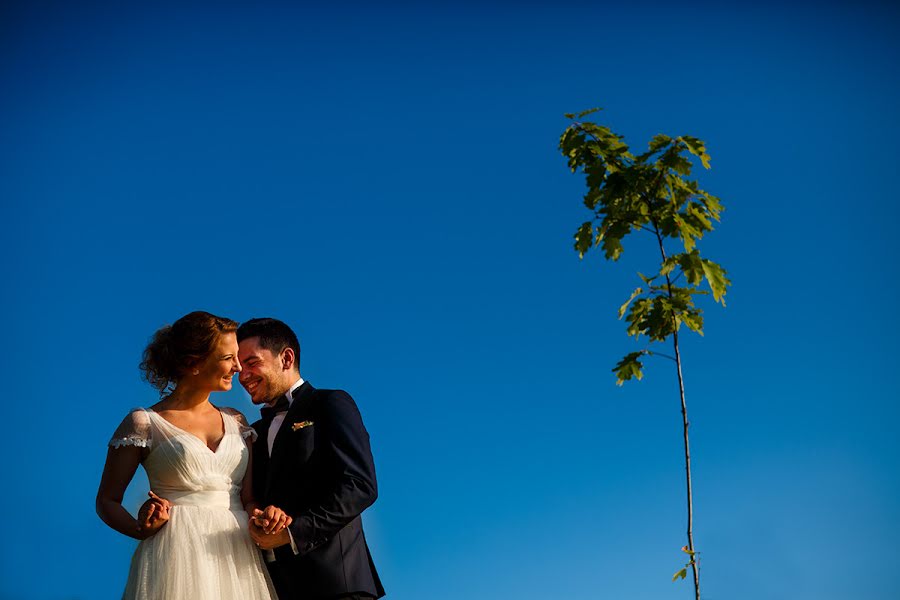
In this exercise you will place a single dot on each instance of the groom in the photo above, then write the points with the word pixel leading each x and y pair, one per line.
pixel 311 459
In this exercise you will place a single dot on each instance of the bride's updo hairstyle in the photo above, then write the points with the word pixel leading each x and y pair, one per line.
pixel 178 347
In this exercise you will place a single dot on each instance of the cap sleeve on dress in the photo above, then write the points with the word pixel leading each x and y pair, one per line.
pixel 243 427
pixel 133 431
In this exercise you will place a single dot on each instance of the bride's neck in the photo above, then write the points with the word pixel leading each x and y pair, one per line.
pixel 185 398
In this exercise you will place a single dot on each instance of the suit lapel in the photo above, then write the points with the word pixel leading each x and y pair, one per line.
pixel 297 412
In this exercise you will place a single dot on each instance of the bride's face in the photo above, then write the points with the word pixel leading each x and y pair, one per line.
pixel 218 369
pixel 263 372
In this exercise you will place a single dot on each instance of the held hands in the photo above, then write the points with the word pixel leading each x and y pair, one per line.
pixel 268 527
pixel 154 513
pixel 271 519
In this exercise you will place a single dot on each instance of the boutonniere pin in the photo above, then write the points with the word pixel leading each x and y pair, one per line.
pixel 300 425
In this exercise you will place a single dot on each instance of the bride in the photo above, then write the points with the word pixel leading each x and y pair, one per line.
pixel 194 529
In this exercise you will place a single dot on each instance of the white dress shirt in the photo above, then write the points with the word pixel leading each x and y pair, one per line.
pixel 279 417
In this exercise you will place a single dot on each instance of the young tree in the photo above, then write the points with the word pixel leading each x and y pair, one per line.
pixel 651 193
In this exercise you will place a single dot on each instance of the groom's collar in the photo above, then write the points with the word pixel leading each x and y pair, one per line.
pixel 295 387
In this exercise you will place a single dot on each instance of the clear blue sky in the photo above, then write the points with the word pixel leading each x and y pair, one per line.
pixel 386 179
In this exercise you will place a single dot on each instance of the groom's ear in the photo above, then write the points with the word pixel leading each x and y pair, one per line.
pixel 288 359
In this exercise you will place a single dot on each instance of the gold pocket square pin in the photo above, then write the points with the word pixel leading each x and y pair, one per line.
pixel 300 425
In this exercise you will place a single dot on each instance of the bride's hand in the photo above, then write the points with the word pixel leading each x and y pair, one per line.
pixel 271 519
pixel 153 514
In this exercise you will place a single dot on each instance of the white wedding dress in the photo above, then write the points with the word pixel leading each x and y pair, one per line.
pixel 204 552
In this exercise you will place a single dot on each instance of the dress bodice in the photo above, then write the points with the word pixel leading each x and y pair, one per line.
pixel 182 468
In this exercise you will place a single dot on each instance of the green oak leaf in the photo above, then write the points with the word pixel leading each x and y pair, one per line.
pixel 629 367
pixel 584 237
pixel 659 142
pixel 637 292
pixel 718 282
pixel 697 148
pixel 692 266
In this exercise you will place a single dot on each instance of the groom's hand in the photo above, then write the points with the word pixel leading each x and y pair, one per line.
pixel 271 519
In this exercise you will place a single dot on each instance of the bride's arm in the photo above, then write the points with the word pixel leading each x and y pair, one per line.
pixel 121 464
pixel 247 498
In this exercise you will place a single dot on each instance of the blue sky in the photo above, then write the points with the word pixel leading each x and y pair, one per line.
pixel 386 179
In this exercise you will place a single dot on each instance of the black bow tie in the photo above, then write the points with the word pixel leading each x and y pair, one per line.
pixel 269 412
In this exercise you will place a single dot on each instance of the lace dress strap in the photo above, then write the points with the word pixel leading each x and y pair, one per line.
pixel 243 427
pixel 134 430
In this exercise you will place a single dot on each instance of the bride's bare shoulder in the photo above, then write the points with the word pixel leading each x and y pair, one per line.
pixel 235 414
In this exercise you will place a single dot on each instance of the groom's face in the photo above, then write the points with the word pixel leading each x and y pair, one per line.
pixel 263 374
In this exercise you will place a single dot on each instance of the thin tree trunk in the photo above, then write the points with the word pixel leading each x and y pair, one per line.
pixel 687 468
pixel 687 446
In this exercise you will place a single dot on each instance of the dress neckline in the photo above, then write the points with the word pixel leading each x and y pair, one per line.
pixel 196 437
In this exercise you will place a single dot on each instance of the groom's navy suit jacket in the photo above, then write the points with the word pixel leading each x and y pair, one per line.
pixel 321 473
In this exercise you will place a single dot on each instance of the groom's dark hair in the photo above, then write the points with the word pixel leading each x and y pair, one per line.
pixel 274 336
